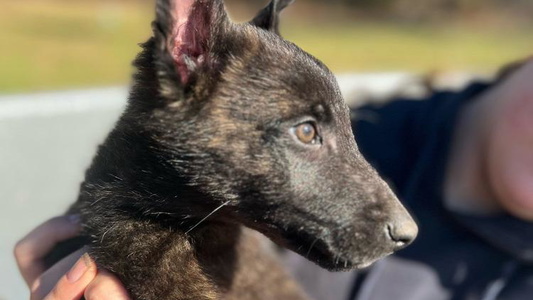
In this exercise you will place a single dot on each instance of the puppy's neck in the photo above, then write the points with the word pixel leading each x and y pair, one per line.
pixel 199 265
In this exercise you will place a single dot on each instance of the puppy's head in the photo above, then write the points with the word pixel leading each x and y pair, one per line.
pixel 249 119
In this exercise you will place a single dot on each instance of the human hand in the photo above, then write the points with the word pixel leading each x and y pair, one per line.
pixel 491 166
pixel 510 144
pixel 58 282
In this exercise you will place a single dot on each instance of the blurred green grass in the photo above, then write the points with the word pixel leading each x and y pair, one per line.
pixel 57 44
pixel 378 47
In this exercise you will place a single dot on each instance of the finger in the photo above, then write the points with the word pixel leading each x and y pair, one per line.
pixel 73 284
pixel 33 247
pixel 46 282
pixel 106 286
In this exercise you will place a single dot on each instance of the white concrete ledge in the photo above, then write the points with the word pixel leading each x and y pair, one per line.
pixel 50 103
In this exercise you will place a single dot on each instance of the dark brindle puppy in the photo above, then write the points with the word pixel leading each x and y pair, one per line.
pixel 230 125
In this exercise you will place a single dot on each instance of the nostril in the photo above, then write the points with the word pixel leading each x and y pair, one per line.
pixel 400 236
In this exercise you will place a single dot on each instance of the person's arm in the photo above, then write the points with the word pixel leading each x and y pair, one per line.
pixel 389 137
pixel 71 278
pixel 392 135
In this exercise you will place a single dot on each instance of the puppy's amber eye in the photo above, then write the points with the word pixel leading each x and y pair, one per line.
pixel 306 133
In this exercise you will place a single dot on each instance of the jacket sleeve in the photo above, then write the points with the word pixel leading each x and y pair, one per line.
pixel 392 135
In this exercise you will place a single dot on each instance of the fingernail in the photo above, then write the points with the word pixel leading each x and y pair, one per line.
pixel 74 219
pixel 79 269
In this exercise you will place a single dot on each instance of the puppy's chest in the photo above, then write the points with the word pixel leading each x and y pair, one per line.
pixel 224 263
pixel 259 274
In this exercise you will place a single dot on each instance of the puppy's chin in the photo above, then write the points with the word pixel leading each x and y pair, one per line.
pixel 324 252
pixel 336 261
pixel 320 249
pixel 345 265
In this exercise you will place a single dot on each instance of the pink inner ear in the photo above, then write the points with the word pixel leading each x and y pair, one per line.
pixel 189 28
pixel 181 14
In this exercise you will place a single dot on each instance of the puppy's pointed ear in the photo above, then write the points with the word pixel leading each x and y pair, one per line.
pixel 268 17
pixel 186 33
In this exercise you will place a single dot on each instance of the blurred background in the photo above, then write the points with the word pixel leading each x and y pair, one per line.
pixel 58 44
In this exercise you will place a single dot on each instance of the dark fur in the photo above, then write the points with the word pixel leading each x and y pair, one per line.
pixel 210 122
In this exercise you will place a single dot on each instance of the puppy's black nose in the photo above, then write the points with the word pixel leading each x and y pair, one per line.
pixel 402 232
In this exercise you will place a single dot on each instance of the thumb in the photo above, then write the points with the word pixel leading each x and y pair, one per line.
pixel 73 284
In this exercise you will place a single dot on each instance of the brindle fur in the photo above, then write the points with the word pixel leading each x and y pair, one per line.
pixel 208 126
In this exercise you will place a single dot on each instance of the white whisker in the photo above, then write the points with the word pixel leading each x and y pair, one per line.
pixel 209 215
pixel 311 247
